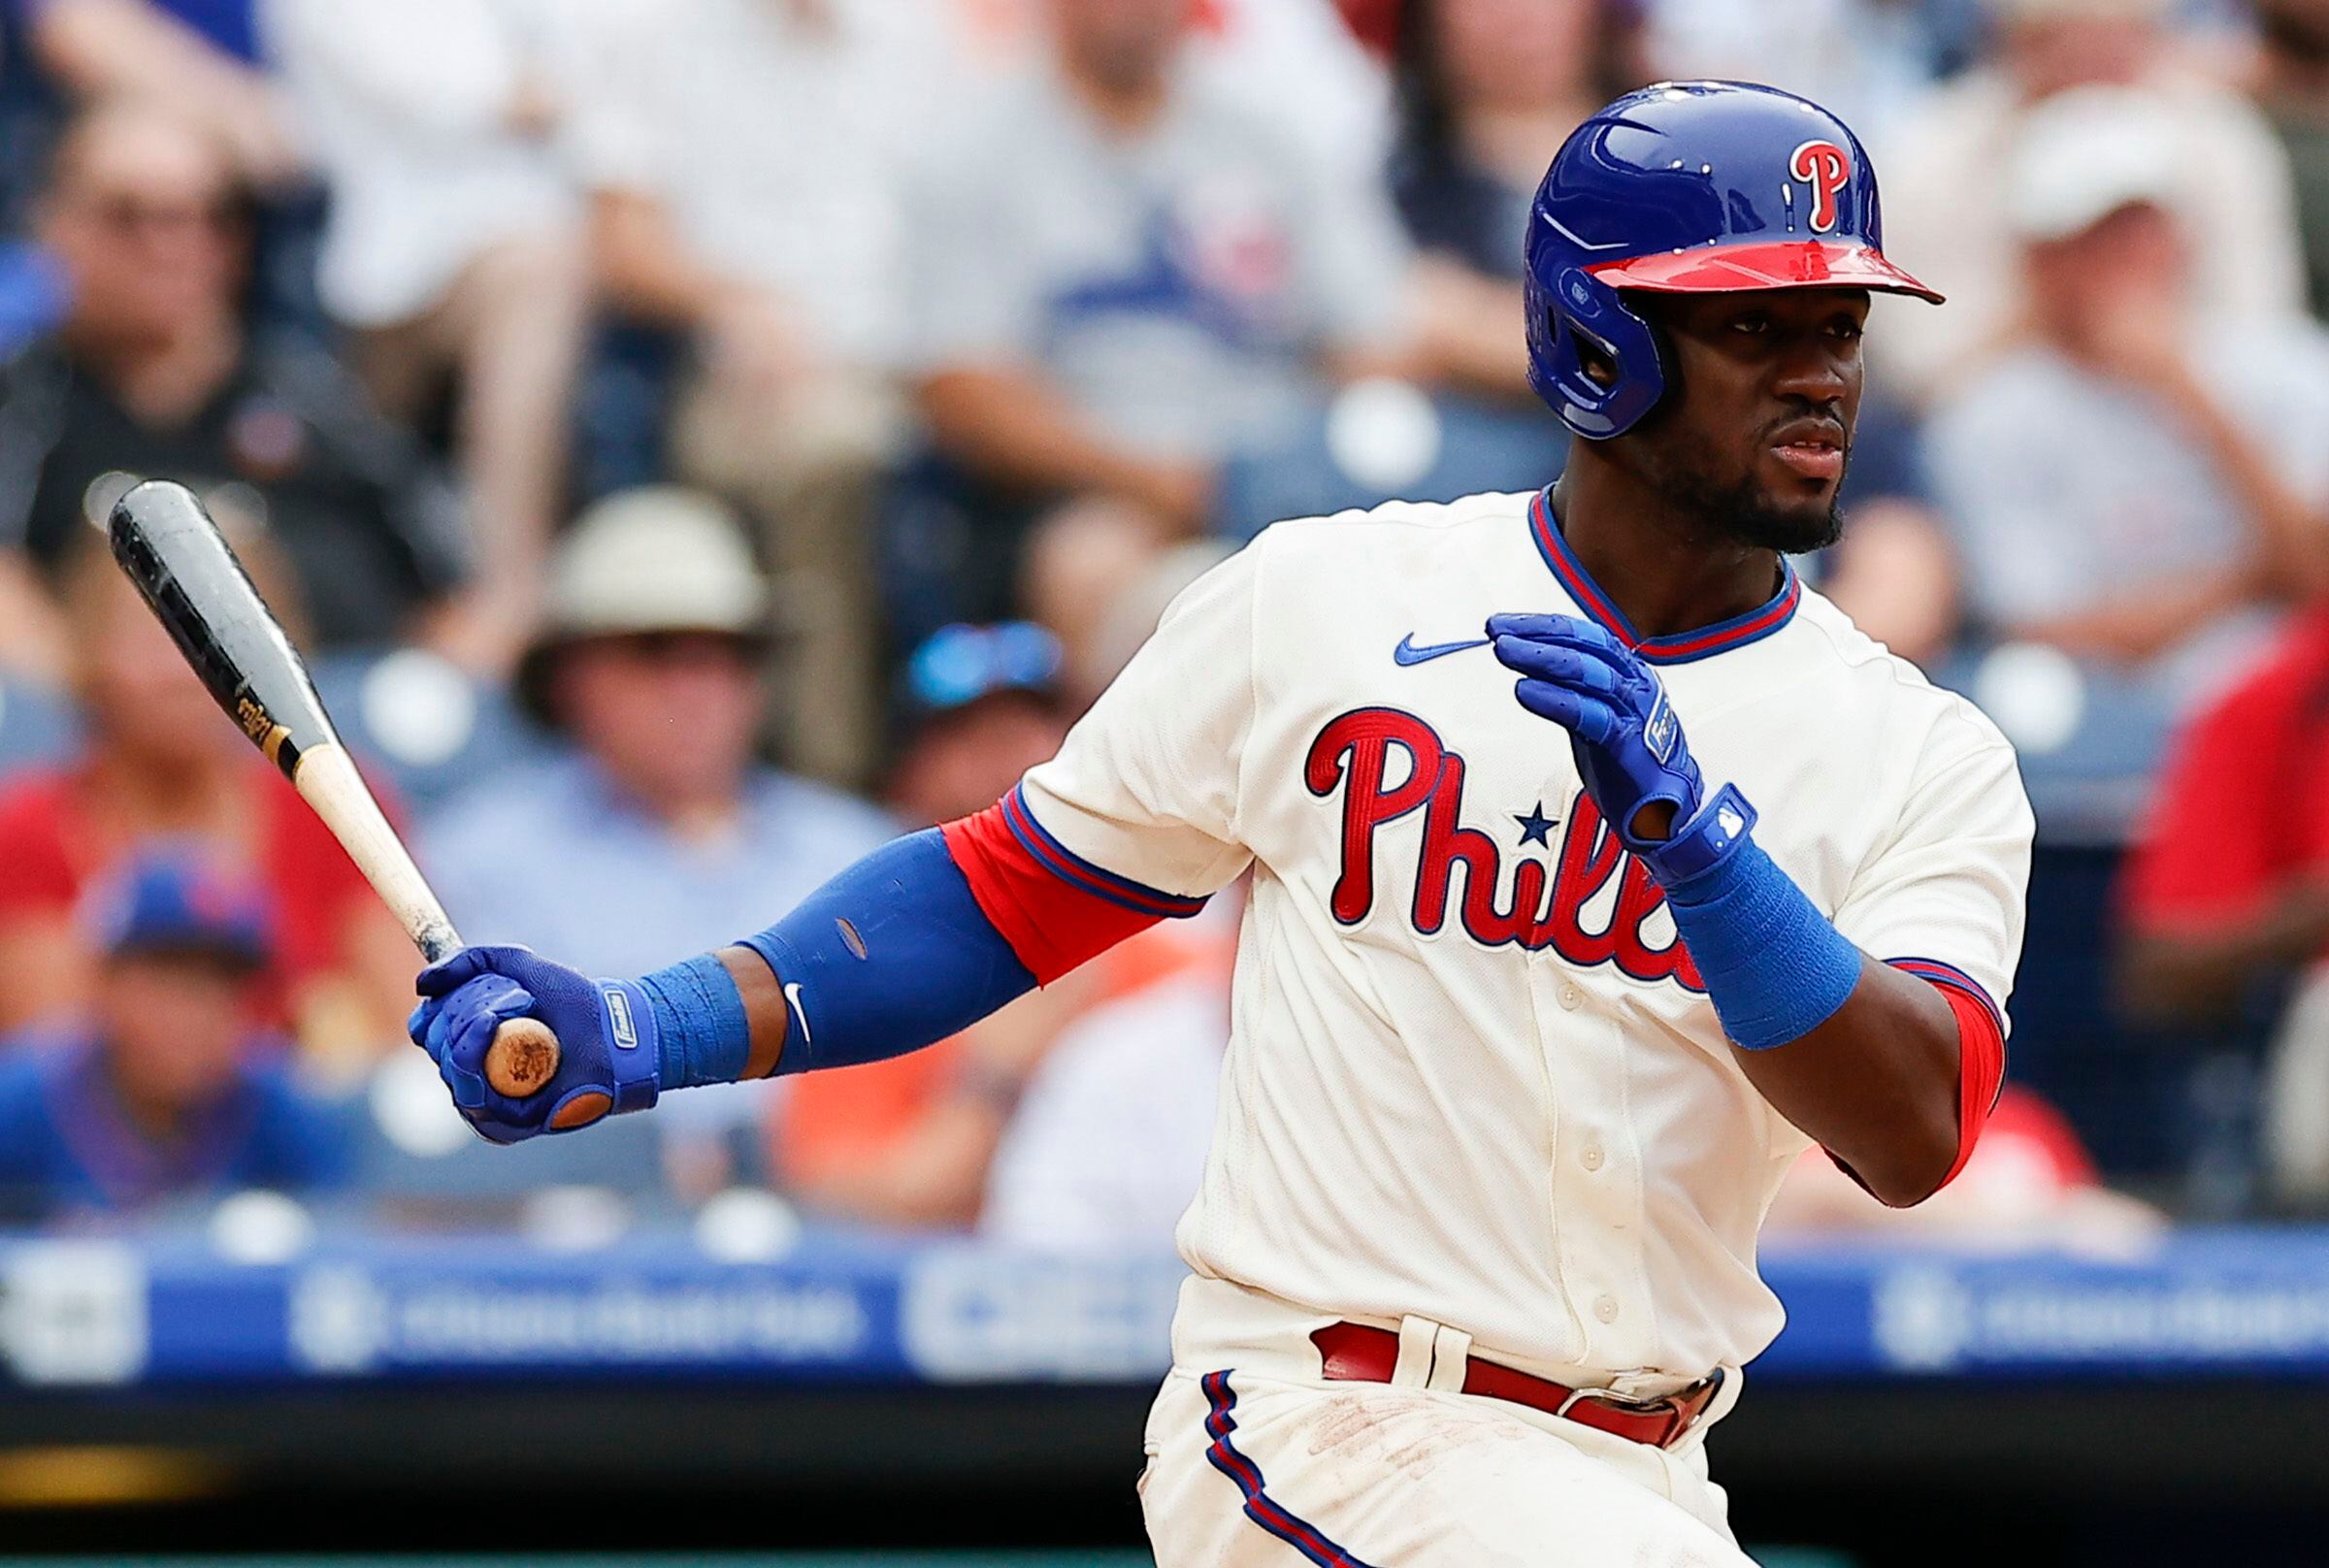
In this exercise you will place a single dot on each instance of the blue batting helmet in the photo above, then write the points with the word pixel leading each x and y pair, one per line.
pixel 1688 187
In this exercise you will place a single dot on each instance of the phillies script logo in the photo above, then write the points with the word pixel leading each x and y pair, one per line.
pixel 1822 166
pixel 1543 909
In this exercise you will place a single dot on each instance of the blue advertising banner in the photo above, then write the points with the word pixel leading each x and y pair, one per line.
pixel 840 1308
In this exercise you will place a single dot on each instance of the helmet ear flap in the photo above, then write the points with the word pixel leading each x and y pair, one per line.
pixel 1586 322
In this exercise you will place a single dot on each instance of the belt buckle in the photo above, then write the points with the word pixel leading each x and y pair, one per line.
pixel 1680 1418
pixel 1612 1400
pixel 1701 1397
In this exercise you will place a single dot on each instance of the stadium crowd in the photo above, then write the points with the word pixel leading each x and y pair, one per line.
pixel 696 440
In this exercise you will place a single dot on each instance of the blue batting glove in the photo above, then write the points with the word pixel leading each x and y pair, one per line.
pixel 1626 739
pixel 607 1039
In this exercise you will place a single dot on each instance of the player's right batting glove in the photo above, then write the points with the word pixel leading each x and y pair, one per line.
pixel 1627 742
pixel 609 1060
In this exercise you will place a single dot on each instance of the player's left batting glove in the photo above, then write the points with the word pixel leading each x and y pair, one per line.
pixel 608 1055
pixel 1625 737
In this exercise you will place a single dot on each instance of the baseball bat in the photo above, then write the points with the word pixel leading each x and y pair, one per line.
pixel 183 565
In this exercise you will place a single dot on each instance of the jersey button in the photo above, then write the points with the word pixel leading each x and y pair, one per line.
pixel 1590 1157
pixel 1570 996
pixel 1606 1309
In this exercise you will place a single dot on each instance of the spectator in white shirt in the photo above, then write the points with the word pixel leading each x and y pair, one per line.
pixel 1128 273
pixel 454 250
pixel 1109 1141
pixel 2141 480
pixel 2229 180
pixel 1296 61
pixel 742 158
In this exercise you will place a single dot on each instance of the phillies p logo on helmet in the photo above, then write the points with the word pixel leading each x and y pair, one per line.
pixel 1822 166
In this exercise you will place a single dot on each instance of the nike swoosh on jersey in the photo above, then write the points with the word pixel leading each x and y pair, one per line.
pixel 1407 653
pixel 792 995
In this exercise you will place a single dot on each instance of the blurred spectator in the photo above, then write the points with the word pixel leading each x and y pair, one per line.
pixel 1131 276
pixel 32 295
pixel 158 761
pixel 2140 483
pixel 2030 1182
pixel 1489 89
pixel 1871 61
pixel 1104 591
pixel 29 110
pixel 651 830
pixel 911 1141
pixel 1296 61
pixel 2228 889
pixel 908 1141
pixel 1109 1141
pixel 2228 182
pixel 1895 575
pixel 152 372
pixel 743 158
pixel 169 1085
pixel 1375 23
pixel 195 60
pixel 454 249
pixel 984 702
pixel 2293 89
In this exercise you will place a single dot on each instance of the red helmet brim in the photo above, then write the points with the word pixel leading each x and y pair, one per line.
pixel 1736 268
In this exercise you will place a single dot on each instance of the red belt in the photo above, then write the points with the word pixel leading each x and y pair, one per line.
pixel 1354 1353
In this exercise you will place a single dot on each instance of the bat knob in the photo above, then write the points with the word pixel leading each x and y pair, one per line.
pixel 523 1056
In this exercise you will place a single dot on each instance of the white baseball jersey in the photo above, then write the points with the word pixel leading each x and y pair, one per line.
pixel 1472 1076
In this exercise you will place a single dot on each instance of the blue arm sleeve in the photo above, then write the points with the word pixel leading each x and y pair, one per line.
pixel 888 957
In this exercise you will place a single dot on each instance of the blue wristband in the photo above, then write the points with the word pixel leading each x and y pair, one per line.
pixel 701 1031
pixel 1774 966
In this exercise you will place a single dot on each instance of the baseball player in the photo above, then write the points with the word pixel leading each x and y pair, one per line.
pixel 1599 868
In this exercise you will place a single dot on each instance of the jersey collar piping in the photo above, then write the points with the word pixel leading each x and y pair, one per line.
pixel 1680 647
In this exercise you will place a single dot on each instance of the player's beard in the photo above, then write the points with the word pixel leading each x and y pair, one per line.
pixel 1741 511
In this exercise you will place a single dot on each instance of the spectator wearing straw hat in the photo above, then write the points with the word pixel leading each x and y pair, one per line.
pixel 649 676
pixel 651 824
